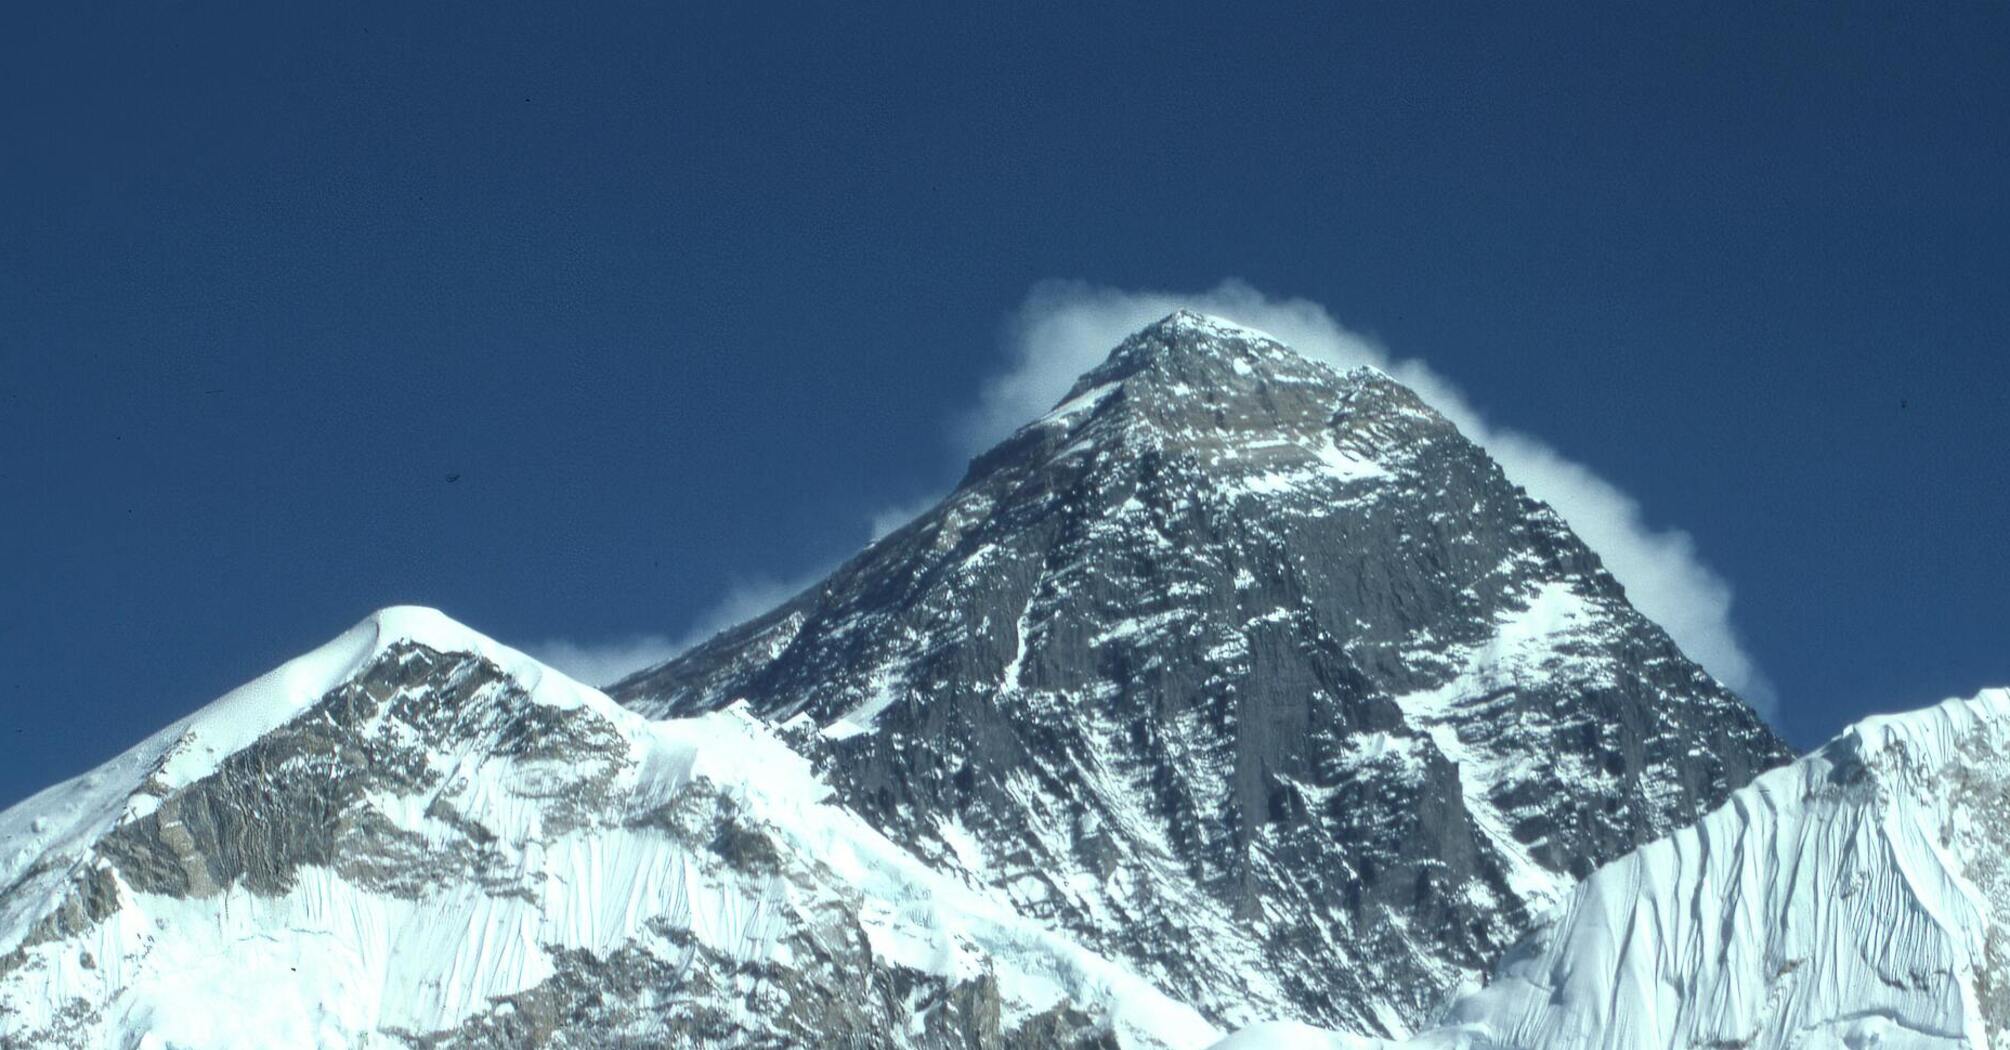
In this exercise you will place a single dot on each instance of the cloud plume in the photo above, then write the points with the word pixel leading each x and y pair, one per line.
pixel 1065 328
pixel 604 663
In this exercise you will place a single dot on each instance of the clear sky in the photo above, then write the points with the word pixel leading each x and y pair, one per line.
pixel 580 323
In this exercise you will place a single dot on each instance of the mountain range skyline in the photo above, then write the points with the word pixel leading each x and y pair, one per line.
pixel 1236 687
pixel 1043 526
pixel 584 327
pixel 1085 316
pixel 1194 664
pixel 1237 701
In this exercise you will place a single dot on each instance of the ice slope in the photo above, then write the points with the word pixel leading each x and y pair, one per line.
pixel 416 836
pixel 1858 898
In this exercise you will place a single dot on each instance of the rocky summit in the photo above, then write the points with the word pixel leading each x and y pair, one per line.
pixel 1249 673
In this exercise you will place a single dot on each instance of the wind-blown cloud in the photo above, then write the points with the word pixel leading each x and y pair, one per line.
pixel 1066 328
pixel 884 521
pixel 601 664
pixel 607 662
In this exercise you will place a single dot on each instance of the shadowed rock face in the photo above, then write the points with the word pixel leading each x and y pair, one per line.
pixel 1257 675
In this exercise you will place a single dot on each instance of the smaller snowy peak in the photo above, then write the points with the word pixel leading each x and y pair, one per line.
pixel 417 836
pixel 435 630
pixel 63 820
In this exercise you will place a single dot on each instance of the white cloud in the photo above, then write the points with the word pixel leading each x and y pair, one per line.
pixel 882 522
pixel 602 664
pixel 1066 328
pixel 605 663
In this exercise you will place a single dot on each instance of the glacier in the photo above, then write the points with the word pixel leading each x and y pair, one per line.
pixel 1858 898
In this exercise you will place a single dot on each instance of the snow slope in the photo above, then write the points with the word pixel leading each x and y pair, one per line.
pixel 416 836
pixel 1858 898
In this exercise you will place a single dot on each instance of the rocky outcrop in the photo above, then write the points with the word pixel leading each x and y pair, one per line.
pixel 299 796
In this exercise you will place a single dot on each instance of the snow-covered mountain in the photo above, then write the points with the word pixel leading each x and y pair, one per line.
pixel 1257 676
pixel 416 837
pixel 1233 688
pixel 1859 898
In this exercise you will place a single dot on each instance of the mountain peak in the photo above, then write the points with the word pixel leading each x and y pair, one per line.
pixel 1193 321
pixel 1195 349
pixel 1244 406
pixel 1284 693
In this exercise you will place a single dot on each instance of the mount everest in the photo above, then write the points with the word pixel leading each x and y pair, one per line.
pixel 1234 692
pixel 1258 676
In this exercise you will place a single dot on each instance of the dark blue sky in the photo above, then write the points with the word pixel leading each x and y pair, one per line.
pixel 681 297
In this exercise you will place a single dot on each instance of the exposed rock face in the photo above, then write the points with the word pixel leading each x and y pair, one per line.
pixel 1254 674
pixel 417 838
pixel 300 795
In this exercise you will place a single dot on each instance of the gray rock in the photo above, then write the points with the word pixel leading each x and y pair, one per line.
pixel 295 797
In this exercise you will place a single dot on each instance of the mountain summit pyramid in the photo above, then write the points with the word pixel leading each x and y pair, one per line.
pixel 1255 675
